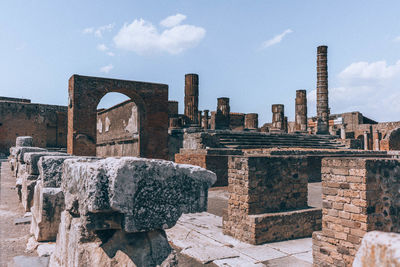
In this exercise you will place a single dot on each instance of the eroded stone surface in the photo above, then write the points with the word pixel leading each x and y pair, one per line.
pixel 24 141
pixel 46 211
pixel 50 170
pixel 378 249
pixel 151 194
pixel 31 160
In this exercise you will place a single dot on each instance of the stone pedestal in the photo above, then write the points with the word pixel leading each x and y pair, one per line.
pixel 222 116
pixel 278 117
pixel 268 199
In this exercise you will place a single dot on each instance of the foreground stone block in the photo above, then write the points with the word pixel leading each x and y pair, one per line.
pixel 46 212
pixel 151 194
pixel 50 170
pixel 358 196
pixel 116 210
pixel 268 199
pixel 31 160
pixel 378 249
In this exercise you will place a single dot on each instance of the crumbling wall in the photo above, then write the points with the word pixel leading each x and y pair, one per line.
pixel 45 123
pixel 118 131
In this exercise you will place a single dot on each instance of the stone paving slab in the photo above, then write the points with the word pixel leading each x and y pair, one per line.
pixel 199 235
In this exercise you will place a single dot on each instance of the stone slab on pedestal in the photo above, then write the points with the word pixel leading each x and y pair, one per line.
pixel 46 211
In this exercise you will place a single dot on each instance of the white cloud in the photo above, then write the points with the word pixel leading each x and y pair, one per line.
pixel 111 54
pixel 143 37
pixel 102 47
pixel 106 69
pixel 98 32
pixel 172 21
pixel 371 88
pixel 397 39
pixel 276 39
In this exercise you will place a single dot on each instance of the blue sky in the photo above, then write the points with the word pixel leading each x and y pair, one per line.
pixel 257 53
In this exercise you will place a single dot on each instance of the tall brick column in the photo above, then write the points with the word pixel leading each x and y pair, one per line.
pixel 322 90
pixel 192 97
pixel 278 117
pixel 222 116
pixel 251 121
pixel 301 111
pixel 204 121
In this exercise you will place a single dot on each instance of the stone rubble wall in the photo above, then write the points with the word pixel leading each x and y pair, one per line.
pixel 359 195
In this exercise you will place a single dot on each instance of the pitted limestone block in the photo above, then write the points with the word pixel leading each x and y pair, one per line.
pixel 22 150
pixel 50 170
pixel 109 248
pixel 151 194
pixel 24 141
pixel 27 190
pixel 378 249
pixel 18 187
pixel 48 203
pixel 31 160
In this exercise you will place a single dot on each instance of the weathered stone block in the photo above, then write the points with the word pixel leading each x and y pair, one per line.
pixel 50 170
pixel 151 194
pixel 109 248
pixel 27 190
pixel 48 203
pixel 20 151
pixel 378 249
pixel 31 160
pixel 24 141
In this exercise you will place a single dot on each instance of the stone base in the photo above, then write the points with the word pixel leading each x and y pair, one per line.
pixel 273 227
pixel 46 211
pixel 109 248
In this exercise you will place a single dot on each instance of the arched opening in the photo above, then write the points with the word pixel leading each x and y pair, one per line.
pixel 117 126
pixel 84 95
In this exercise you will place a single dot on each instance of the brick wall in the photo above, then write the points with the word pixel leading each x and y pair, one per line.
pixel 118 131
pixel 359 195
pixel 45 123
pixel 268 199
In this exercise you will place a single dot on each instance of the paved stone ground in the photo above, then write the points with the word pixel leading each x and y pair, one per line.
pixel 199 236
pixel 13 238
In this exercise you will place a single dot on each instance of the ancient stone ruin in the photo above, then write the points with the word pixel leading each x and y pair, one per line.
pixel 97 188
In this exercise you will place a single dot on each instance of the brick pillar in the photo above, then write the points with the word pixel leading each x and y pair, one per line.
pixel 366 141
pixel 192 97
pixel 322 90
pixel 278 116
pixel 301 111
pixel 204 121
pixel 358 196
pixel 251 121
pixel 199 116
pixel 222 116
pixel 376 138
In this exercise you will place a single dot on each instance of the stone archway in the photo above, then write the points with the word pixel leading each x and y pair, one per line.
pixel 151 100
pixel 391 141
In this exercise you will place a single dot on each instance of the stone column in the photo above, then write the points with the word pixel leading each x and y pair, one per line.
pixel 301 111
pixel 204 121
pixel 278 117
pixel 285 125
pixel 192 97
pixel 366 140
pixel 322 90
pixel 251 121
pixel 222 116
pixel 199 116
pixel 343 132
